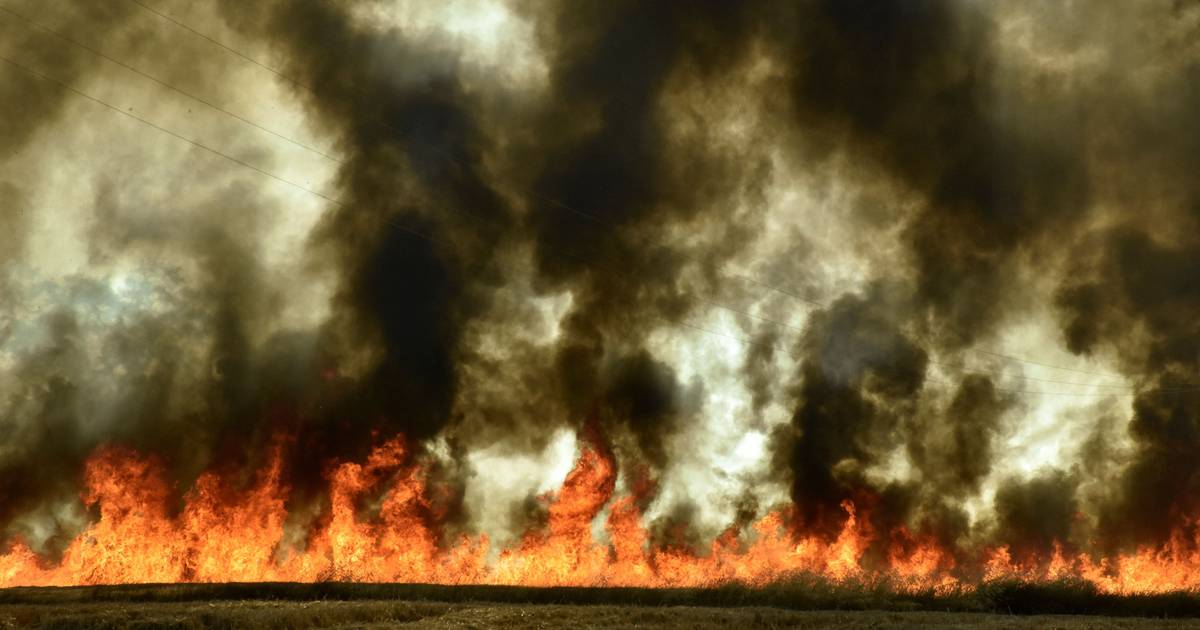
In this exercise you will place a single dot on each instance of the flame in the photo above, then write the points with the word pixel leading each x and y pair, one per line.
pixel 591 537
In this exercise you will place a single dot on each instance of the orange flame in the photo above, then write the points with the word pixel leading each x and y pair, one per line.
pixel 224 533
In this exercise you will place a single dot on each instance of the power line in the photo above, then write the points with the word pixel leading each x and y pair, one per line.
pixel 186 139
pixel 405 228
pixel 614 229
pixel 214 41
pixel 259 170
pixel 164 84
pixel 450 158
pixel 967 370
pixel 1088 394
pixel 609 226
pixel 1113 388
pixel 289 182
pixel 1045 365
pixel 1030 392
pixel 264 172
pixel 426 237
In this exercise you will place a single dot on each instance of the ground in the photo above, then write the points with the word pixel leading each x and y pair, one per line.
pixel 343 614
pixel 795 604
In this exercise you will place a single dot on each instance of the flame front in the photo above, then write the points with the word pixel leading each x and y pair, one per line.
pixel 592 537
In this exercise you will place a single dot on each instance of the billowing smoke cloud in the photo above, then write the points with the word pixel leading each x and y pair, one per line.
pixel 860 379
pixel 1146 286
pixel 629 230
pixel 1032 515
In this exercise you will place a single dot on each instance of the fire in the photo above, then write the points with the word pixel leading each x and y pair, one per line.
pixel 592 536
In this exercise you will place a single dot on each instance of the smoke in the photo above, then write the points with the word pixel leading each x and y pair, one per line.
pixel 955 457
pixel 1032 515
pixel 860 379
pixel 1147 288
pixel 695 225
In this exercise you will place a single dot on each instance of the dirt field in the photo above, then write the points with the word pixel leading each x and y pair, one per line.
pixel 342 614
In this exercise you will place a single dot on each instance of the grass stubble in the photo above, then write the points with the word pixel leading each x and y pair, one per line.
pixel 797 603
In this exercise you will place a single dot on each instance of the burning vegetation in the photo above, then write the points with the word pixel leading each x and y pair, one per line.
pixel 899 294
pixel 228 534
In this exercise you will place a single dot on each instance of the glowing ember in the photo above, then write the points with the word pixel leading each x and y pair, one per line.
pixel 228 534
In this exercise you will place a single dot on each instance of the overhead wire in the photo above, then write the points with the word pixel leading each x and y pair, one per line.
pixel 592 217
pixel 70 40
pixel 182 137
pixel 164 84
pixel 554 202
pixel 212 40
pixel 334 200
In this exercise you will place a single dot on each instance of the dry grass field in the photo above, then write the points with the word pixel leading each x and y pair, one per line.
pixel 802 604
pixel 461 616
